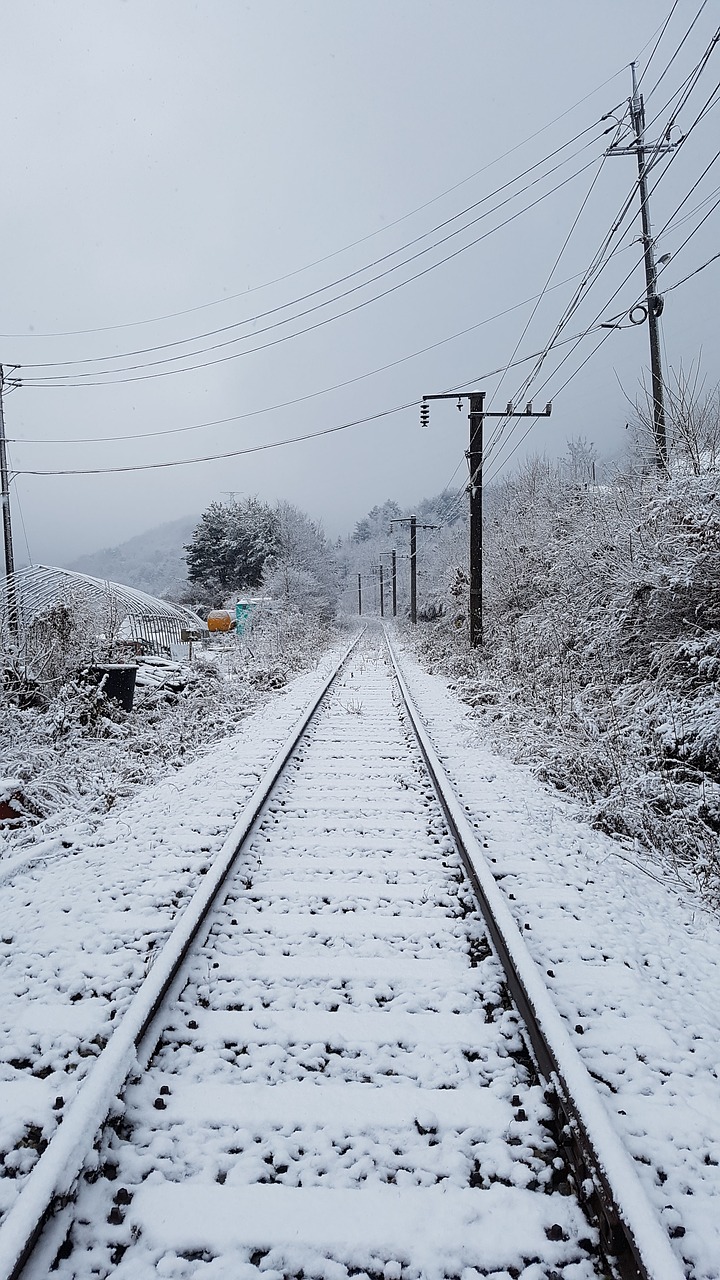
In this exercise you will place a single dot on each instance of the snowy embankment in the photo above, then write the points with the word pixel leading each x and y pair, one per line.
pixel 631 961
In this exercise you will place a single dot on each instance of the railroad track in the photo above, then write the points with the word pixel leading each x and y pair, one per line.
pixel 325 1073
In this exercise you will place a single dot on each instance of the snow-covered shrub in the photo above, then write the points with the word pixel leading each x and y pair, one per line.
pixel 80 753
pixel 602 646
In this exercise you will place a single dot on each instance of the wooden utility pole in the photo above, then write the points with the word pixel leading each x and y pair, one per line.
pixel 382 592
pixel 474 455
pixel 654 303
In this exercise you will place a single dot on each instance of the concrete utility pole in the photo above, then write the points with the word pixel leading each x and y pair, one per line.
pixel 394 583
pixel 654 302
pixel 5 486
pixel 474 455
pixel 413 570
pixel 360 594
pixel 7 524
pixel 414 526
pixel 382 592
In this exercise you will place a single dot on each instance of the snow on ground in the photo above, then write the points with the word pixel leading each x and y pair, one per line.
pixel 378 1097
pixel 631 962
pixel 82 915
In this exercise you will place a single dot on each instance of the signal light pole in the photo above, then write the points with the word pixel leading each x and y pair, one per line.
pixel 474 455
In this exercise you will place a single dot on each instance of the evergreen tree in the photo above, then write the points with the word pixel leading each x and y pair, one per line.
pixel 231 545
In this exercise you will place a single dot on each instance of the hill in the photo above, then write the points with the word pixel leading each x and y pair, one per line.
pixel 153 561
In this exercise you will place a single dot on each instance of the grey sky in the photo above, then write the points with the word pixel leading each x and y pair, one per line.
pixel 159 157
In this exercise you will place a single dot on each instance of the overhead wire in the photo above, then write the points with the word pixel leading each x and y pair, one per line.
pixel 312 435
pixel 368 418
pixel 271 311
pixel 603 339
pixel 678 49
pixel 109 375
pixel 663 29
pixel 216 457
pixel 700 115
pixel 500 424
pixel 696 272
pixel 337 252
pixel 498 439
pixel 287 404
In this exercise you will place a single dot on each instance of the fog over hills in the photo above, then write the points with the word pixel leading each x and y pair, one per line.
pixel 153 561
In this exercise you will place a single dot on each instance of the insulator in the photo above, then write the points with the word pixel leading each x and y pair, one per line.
pixel 528 407
pixel 548 408
pixel 510 407
pixel 424 414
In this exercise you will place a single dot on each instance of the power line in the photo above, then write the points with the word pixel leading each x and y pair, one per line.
pixel 696 272
pixel 215 457
pixel 59 381
pixel 272 311
pixel 70 333
pixel 498 428
pixel 497 440
pixel 287 404
pixel 534 372
pixel 660 79
pixel 312 435
pixel 663 29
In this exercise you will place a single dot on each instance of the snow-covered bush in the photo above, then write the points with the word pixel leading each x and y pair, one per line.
pixel 79 753
pixel 303 573
pixel 602 645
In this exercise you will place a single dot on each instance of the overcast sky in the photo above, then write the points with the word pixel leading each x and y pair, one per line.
pixel 174 169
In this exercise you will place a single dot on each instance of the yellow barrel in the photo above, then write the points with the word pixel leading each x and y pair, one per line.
pixel 220 620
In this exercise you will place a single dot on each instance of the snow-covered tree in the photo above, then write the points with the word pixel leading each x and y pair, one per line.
pixel 376 524
pixel 231 545
pixel 304 570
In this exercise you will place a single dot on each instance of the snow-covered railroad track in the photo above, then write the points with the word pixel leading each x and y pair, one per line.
pixel 340 1087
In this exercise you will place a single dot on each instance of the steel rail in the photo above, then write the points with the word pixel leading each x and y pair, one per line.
pixel 52 1179
pixel 606 1180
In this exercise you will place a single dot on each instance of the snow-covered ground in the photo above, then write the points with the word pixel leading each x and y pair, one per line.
pixel 631 961
pixel 82 915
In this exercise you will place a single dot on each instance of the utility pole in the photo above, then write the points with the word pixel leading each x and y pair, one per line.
pixel 360 594
pixel 474 455
pixel 382 593
pixel 413 570
pixel 475 488
pixel 414 526
pixel 654 302
pixel 394 583
pixel 7 525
